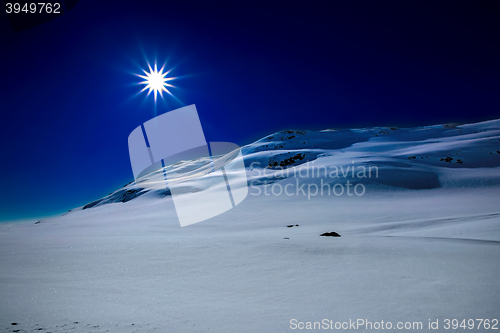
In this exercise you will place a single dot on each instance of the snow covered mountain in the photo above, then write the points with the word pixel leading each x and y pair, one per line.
pixel 417 211
pixel 440 156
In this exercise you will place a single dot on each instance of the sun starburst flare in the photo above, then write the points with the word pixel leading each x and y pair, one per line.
pixel 156 81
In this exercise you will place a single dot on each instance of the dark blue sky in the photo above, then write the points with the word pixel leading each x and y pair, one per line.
pixel 68 99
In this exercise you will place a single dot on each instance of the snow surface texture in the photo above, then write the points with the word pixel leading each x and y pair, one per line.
pixel 422 242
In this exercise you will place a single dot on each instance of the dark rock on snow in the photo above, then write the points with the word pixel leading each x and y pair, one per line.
pixel 331 234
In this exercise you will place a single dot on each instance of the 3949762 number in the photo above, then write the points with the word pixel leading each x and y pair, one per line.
pixel 471 324
pixel 33 8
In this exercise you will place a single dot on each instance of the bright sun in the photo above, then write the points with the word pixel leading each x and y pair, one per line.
pixel 156 81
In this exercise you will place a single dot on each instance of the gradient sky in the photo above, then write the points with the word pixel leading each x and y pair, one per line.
pixel 69 97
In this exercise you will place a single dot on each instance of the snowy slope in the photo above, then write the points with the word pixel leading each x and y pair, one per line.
pixel 421 243
pixel 440 156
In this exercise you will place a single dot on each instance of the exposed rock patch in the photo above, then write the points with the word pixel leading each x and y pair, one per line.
pixel 330 234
